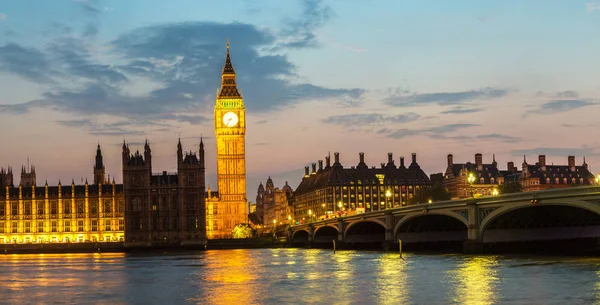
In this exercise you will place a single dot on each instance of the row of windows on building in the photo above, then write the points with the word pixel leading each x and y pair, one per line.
pixel 67 226
pixel 67 208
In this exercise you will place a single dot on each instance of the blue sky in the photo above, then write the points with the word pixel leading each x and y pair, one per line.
pixel 509 78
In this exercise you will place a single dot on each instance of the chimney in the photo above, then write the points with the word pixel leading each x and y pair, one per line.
pixel 306 171
pixel 327 161
pixel 542 160
pixel 402 162
pixel 450 160
pixel 390 158
pixel 572 162
pixel 414 158
pixel 479 161
pixel 510 166
pixel 320 165
pixel 382 165
pixel 314 168
pixel 336 157
pixel 361 157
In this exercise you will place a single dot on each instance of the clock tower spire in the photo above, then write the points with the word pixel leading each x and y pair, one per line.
pixel 231 208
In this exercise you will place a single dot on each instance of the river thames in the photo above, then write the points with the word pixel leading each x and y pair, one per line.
pixel 297 276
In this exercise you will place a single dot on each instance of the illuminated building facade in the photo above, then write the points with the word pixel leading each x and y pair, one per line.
pixel 488 178
pixel 275 203
pixel 541 176
pixel 333 190
pixel 62 213
pixel 231 206
pixel 164 208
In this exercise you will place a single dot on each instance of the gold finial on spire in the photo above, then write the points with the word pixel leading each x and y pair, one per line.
pixel 227 44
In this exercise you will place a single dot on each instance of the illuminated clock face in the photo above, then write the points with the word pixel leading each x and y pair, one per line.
pixel 230 119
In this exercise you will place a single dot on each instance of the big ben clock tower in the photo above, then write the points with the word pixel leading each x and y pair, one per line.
pixel 230 133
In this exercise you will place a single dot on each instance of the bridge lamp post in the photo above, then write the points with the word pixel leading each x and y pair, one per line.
pixel 323 209
pixel 598 179
pixel 388 194
pixel 309 215
pixel 471 180
pixel 339 205
pixel 495 192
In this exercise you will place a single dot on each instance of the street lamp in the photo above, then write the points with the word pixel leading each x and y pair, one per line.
pixel 495 192
pixel 309 215
pixel 323 209
pixel 471 180
pixel 388 194
pixel 598 179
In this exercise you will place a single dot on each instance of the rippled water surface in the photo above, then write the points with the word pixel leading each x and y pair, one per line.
pixel 297 276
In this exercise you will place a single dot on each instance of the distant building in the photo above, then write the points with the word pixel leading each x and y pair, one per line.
pixel 164 208
pixel 541 176
pixel 274 203
pixel 333 190
pixel 62 213
pixel 487 177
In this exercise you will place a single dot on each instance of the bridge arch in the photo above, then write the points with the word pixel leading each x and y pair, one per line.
pixel 535 225
pixel 325 234
pixel 410 216
pixel 524 204
pixel 365 231
pixel 437 230
pixel 300 236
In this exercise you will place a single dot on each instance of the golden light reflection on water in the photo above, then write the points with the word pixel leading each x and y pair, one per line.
pixel 229 278
pixel 475 281
pixel 47 273
pixel 393 282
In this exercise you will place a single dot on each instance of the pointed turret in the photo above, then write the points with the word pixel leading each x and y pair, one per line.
pixel 228 85
pixel 201 156
pixel 99 171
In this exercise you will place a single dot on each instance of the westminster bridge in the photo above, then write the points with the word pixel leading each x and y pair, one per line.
pixel 549 217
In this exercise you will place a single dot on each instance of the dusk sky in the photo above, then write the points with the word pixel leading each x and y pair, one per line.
pixel 504 77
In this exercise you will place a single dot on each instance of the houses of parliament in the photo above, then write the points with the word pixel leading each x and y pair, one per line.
pixel 149 208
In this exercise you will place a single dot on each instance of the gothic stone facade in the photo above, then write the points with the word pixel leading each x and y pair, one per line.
pixel 62 213
pixel 164 208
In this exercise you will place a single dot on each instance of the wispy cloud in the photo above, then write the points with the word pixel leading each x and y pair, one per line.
pixel 444 98
pixel 498 137
pixel 370 119
pixel 592 6
pixel 184 59
pixel 29 63
pixel 119 128
pixel 300 32
pixel 435 131
pixel 461 110
pixel 567 94
pixel 3 17
pixel 556 106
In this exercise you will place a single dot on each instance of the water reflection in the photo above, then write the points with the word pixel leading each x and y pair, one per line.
pixel 296 276
pixel 475 280
pixel 393 281
pixel 229 278
pixel 37 278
